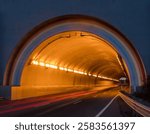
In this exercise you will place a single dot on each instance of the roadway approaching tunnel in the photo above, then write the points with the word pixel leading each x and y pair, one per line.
pixel 71 51
pixel 97 101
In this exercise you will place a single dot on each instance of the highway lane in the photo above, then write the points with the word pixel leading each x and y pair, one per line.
pixel 103 104
pixel 98 103
pixel 88 106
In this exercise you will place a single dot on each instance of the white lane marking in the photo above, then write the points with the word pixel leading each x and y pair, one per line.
pixel 76 102
pixel 102 111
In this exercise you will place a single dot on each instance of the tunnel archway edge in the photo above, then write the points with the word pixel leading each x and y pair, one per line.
pixel 74 22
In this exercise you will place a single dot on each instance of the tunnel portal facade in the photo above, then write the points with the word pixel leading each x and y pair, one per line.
pixel 71 51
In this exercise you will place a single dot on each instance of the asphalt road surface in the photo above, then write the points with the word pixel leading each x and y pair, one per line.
pixel 91 103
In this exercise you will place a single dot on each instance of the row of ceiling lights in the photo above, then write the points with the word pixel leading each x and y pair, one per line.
pixel 47 65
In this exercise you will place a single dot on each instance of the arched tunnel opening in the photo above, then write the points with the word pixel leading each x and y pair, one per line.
pixel 71 53
pixel 73 59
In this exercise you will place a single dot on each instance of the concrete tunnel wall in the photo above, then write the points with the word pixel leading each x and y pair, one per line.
pixel 41 76
pixel 50 81
pixel 50 77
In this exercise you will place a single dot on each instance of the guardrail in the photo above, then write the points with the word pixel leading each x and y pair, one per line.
pixel 138 107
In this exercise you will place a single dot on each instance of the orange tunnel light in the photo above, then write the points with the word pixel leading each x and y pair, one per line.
pixel 42 64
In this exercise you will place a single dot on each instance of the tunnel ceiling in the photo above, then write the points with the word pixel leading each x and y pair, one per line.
pixel 79 51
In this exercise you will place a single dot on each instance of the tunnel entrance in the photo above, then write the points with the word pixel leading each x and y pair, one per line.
pixel 73 58
pixel 72 51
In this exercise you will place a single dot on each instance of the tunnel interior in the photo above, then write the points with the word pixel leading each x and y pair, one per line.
pixel 73 58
